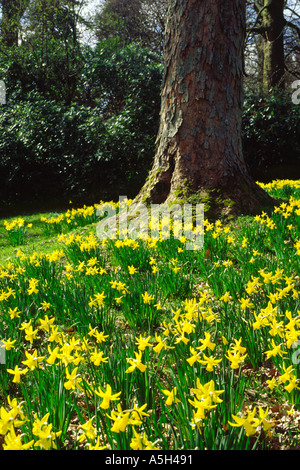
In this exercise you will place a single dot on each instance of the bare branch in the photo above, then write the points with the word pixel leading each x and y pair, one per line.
pixel 294 73
pixel 259 30
pixel 293 26
pixel 253 28
pixel 293 11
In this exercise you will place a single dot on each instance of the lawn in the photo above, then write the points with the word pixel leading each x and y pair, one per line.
pixel 140 344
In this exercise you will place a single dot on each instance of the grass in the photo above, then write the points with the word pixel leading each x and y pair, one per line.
pixel 140 344
pixel 36 238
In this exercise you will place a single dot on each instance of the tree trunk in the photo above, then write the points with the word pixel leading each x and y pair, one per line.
pixel 199 150
pixel 259 42
pixel 273 23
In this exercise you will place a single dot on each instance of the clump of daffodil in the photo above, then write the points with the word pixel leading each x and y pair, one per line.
pixel 123 418
pixel 82 319
pixel 205 398
pixel 235 354
pixel 253 422
pixel 16 230
pixel 43 431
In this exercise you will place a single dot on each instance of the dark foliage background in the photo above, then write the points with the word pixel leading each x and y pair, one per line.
pixel 271 135
pixel 93 148
pixel 90 135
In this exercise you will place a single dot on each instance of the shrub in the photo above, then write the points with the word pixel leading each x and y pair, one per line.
pixel 271 131
pixel 44 147
pixel 52 150
pixel 124 83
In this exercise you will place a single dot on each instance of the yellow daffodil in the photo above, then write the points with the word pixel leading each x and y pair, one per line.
pixel 16 372
pixel 13 441
pixel 33 360
pixel 147 298
pixel 73 381
pixel 88 431
pixel 143 343
pixel 107 396
pixel 171 396
pixel 8 344
pixel 210 362
pixel 136 363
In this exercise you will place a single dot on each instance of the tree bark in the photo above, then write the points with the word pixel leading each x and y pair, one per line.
pixel 199 148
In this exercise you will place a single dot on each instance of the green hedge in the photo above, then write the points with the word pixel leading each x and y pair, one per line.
pixel 92 149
